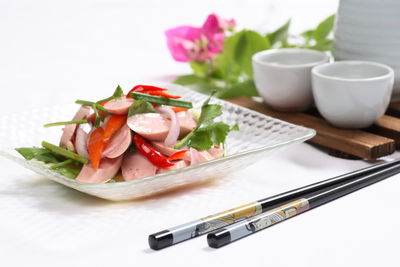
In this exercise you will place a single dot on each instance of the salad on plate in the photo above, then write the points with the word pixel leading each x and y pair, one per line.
pixel 130 136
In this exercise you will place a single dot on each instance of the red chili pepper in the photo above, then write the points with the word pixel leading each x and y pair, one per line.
pixel 114 123
pixel 150 153
pixel 178 155
pixel 144 89
pixel 95 147
pixel 178 109
pixel 161 93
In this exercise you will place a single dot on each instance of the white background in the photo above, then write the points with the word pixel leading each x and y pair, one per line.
pixel 57 51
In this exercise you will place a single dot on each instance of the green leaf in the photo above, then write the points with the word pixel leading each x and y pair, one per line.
pixel 68 168
pixel 199 68
pixel 246 88
pixel 213 134
pixel 324 28
pixel 201 140
pixel 210 112
pixel 280 35
pixel 39 153
pixel 190 79
pixel 226 67
pixel 235 127
pixel 140 106
pixel 308 36
pixel 249 43
pixel 323 45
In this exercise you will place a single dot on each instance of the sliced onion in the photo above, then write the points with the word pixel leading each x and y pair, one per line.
pixel 174 129
pixel 194 156
pixel 81 142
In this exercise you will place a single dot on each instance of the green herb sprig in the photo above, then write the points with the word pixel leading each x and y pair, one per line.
pixel 208 132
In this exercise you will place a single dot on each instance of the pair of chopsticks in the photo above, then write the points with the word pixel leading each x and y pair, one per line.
pixel 228 226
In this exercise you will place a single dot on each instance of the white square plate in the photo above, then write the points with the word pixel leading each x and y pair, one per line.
pixel 258 136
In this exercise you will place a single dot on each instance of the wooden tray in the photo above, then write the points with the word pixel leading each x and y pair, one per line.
pixel 377 141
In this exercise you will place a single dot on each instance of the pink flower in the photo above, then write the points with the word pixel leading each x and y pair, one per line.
pixel 188 43
pixel 215 24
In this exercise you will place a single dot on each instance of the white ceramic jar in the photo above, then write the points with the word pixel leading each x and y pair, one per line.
pixel 369 30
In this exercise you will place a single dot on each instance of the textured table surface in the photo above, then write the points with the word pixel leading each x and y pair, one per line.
pixel 54 52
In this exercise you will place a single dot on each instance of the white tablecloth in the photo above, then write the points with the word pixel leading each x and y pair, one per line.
pixel 57 51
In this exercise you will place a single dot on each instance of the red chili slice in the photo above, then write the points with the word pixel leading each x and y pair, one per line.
pixel 154 156
pixel 178 155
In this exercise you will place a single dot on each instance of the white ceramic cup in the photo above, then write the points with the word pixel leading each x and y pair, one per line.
pixel 352 94
pixel 283 77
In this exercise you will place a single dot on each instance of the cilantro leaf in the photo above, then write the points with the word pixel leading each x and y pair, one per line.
pixel 140 106
pixel 39 153
pixel 208 132
pixel 201 140
pixel 210 112
pixel 58 163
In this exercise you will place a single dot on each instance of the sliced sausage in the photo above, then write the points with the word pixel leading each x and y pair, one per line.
pixel 118 143
pixel 186 122
pixel 205 156
pixel 178 164
pixel 153 126
pixel 135 166
pixel 69 130
pixel 108 169
pixel 81 139
pixel 216 151
pixel 199 156
pixel 119 106
pixel 168 151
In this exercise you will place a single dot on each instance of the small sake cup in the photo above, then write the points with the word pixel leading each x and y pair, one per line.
pixel 352 94
pixel 283 77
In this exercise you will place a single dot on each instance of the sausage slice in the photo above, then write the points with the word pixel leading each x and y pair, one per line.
pixel 108 169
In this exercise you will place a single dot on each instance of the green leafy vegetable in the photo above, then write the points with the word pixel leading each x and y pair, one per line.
pixel 208 132
pixel 71 170
pixel 324 28
pixel 280 35
pixel 68 168
pixel 249 43
pixel 209 112
pixel 64 152
pixel 61 164
pixel 213 134
pixel 140 106
pixel 190 79
pixel 65 123
pixel 39 153
pixel 161 100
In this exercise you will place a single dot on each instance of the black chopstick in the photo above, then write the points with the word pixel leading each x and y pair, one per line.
pixel 247 227
pixel 216 221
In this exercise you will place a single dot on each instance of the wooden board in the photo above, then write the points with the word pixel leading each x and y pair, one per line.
pixel 369 144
